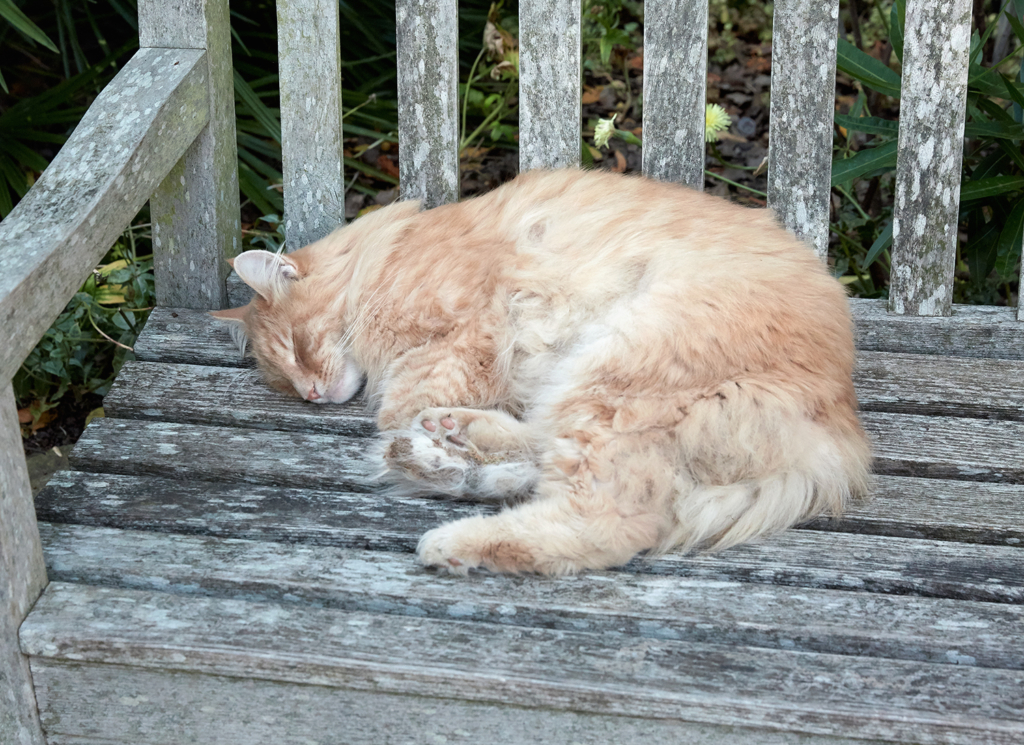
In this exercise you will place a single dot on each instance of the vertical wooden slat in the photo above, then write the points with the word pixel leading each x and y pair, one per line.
pixel 195 211
pixel 22 579
pixel 550 134
pixel 428 100
pixel 936 46
pixel 802 107
pixel 675 90
pixel 311 136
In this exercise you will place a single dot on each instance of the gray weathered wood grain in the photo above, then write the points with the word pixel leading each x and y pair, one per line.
pixel 22 579
pixel 188 336
pixel 127 707
pixel 817 559
pixel 905 445
pixel 802 106
pixel 195 211
pixel 125 144
pixel 937 39
pixel 225 396
pixel 946 447
pixel 232 454
pixel 228 396
pixel 550 134
pixel 665 679
pixel 983 331
pixel 608 603
pixel 180 335
pixel 428 100
pixel 941 509
pixel 933 384
pixel 675 83
pixel 309 60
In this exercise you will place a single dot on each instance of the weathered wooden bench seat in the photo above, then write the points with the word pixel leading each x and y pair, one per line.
pixel 218 567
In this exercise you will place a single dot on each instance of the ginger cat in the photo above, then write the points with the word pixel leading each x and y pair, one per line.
pixel 636 365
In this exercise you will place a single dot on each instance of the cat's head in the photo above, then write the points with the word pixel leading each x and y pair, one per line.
pixel 295 328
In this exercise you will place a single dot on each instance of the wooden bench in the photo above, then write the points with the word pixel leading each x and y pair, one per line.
pixel 219 569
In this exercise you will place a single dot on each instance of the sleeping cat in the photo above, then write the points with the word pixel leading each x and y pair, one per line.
pixel 635 365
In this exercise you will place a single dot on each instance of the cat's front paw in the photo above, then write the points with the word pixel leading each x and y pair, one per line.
pixel 471 543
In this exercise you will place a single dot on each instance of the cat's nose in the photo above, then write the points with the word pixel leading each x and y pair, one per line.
pixel 312 395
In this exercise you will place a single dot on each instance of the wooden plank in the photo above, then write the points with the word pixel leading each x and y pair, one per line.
pixel 800 124
pixel 428 100
pixel 936 385
pixel 129 706
pixel 983 331
pixel 190 337
pixel 550 134
pixel 195 211
pixel 933 100
pixel 309 60
pixel 979 332
pixel 232 454
pixel 607 603
pixel 125 144
pixel 905 445
pixel 938 509
pixel 942 509
pixel 825 560
pixel 675 83
pixel 946 447
pixel 550 669
pixel 195 394
pixel 22 579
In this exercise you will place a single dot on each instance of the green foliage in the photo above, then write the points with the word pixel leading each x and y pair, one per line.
pixel 92 337
pixel 602 30
pixel 992 181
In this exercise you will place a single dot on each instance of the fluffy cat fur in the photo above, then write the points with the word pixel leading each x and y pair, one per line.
pixel 636 365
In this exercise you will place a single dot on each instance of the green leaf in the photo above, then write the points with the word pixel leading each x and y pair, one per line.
pixel 1013 152
pixel 881 158
pixel 897 22
pixel 1009 244
pixel 990 187
pixel 13 15
pixel 883 241
pixel 995 130
pixel 872 125
pixel 1016 95
pixel 259 110
pixel 868 70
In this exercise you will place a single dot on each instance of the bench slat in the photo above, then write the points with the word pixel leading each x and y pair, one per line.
pixel 932 110
pixel 827 694
pixel 233 711
pixel 550 134
pixel 308 44
pixel 905 445
pixel 769 616
pixel 675 85
pixel 180 335
pixel 428 100
pixel 912 384
pixel 800 125
pixel 803 558
pixel 910 507
pixel 946 447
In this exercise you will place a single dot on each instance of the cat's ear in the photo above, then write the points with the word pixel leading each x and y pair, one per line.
pixel 266 272
pixel 231 315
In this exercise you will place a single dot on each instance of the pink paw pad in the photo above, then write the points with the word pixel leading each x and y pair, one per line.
pixel 429 426
pixel 448 423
